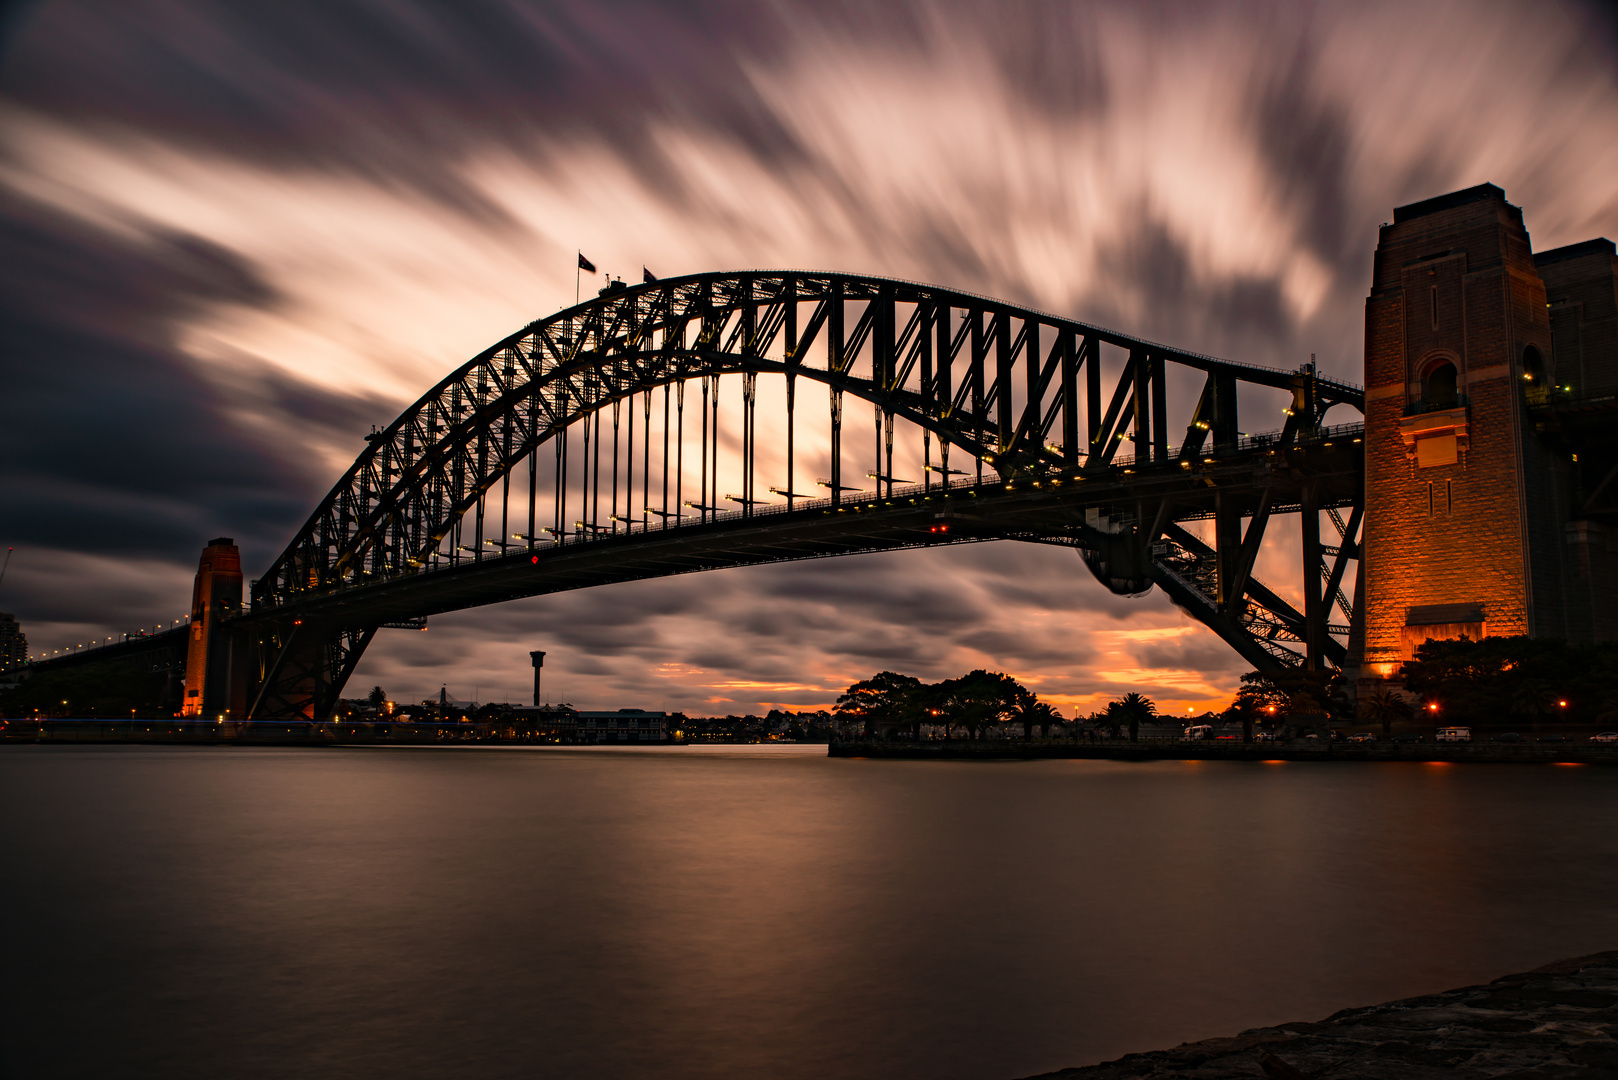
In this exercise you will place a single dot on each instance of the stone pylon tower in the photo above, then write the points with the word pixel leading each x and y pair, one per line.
pixel 216 595
pixel 1478 510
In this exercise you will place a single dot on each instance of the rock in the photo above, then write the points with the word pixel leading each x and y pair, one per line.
pixel 1560 1020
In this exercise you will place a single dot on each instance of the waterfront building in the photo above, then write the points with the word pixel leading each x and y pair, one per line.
pixel 623 726
pixel 555 723
pixel 13 643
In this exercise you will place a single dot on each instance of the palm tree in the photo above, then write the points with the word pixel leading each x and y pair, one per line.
pixel 1384 706
pixel 1031 712
pixel 1134 709
pixel 1533 697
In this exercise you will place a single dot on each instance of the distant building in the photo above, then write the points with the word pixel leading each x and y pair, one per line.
pixel 451 707
pixel 13 643
pixel 623 726
pixel 558 723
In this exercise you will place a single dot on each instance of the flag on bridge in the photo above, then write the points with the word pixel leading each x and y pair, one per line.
pixel 586 264
pixel 647 276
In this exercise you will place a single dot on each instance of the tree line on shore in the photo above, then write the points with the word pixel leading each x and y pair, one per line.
pixel 977 702
pixel 1493 681
pixel 1517 679
pixel 1486 682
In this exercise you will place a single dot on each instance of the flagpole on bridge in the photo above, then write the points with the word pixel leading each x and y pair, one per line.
pixel 584 264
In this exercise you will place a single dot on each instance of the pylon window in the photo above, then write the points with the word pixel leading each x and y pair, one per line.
pixel 1439 388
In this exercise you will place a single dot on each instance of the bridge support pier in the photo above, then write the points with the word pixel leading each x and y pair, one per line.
pixel 215 597
pixel 301 666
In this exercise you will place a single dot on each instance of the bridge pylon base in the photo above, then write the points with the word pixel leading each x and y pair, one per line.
pixel 300 666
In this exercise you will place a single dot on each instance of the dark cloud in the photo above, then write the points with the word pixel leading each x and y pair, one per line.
pixel 1307 140
pixel 98 403
pixel 1188 654
pixel 113 439
pixel 358 88
pixel 1238 315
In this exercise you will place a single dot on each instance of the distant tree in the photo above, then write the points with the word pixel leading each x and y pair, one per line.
pixel 1386 706
pixel 1478 681
pixel 377 697
pixel 1244 711
pixel 1030 712
pixel 885 700
pixel 1271 696
pixel 1303 703
pixel 1258 699
pixel 1533 698
pixel 1132 710
pixel 978 700
pixel 1474 679
pixel 1607 713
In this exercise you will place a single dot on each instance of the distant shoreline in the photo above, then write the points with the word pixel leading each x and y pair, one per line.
pixel 158 733
pixel 1581 753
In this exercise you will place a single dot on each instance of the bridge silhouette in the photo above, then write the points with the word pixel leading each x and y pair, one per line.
pixel 637 436
pixel 566 456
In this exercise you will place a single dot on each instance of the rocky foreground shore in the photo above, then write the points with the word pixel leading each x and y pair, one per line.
pixel 1558 1021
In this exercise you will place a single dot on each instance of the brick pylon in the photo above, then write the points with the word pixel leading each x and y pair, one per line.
pixel 1473 503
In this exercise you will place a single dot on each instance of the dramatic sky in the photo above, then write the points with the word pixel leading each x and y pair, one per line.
pixel 233 236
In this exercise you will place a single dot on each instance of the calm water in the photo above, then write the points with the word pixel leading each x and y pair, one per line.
pixel 697 912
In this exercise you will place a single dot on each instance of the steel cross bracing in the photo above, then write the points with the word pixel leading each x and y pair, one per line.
pixel 1027 404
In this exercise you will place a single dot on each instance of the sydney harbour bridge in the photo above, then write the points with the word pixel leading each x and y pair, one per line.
pixel 733 419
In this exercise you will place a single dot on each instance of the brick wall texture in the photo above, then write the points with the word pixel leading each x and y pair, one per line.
pixel 1455 282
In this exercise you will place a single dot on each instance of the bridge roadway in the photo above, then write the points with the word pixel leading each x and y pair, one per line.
pixel 1239 481
pixel 1260 475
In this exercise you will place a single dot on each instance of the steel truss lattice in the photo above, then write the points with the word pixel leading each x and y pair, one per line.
pixel 1018 396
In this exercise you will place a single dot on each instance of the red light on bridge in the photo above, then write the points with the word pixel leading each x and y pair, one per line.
pixel 534 559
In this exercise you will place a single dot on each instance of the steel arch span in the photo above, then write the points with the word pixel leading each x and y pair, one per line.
pixel 1033 409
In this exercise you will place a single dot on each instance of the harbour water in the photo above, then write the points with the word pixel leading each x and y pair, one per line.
pixel 749 911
